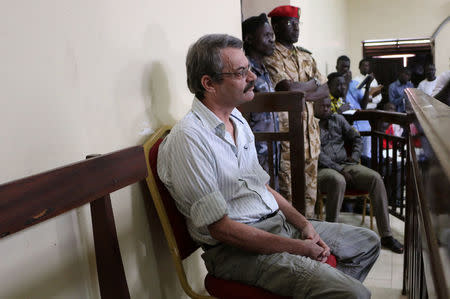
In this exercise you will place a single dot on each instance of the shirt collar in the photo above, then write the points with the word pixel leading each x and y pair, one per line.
pixel 332 98
pixel 210 120
pixel 400 83
pixel 285 52
pixel 259 71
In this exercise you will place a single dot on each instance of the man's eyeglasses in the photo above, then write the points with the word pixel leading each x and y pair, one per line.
pixel 241 73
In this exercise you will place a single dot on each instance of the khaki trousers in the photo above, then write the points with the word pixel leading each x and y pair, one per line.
pixel 356 250
pixel 366 179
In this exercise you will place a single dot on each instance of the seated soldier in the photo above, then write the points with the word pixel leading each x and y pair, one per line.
pixel 248 231
pixel 337 171
pixel 258 43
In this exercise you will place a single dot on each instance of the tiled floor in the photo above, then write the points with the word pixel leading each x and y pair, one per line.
pixel 385 278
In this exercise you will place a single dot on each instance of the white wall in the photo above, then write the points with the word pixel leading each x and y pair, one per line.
pixel 323 29
pixel 384 19
pixel 81 77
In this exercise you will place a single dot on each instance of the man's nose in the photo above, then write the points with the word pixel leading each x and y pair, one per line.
pixel 251 76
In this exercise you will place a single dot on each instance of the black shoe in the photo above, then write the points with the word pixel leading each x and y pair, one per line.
pixel 392 244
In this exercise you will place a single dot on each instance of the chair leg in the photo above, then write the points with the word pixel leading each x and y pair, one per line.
pixel 371 214
pixel 364 210
pixel 320 199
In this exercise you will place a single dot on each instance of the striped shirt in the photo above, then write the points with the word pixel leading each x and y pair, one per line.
pixel 209 175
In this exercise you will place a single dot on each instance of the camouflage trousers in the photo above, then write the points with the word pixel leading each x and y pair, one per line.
pixel 284 177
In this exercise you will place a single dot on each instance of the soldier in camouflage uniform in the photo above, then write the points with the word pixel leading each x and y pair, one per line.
pixel 295 64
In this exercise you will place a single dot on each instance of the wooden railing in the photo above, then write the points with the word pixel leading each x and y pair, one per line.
pixel 389 154
pixel 427 230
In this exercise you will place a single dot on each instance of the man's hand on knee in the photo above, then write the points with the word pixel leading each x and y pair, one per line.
pixel 310 234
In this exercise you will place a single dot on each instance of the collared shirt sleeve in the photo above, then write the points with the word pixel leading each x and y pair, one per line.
pixel 192 169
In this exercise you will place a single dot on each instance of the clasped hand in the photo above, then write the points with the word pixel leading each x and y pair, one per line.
pixel 316 247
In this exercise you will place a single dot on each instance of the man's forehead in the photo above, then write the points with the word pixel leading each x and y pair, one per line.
pixel 233 58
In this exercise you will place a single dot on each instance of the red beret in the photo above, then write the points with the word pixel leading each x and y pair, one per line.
pixel 285 11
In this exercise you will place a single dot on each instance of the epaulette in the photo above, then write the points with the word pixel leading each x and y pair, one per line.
pixel 304 50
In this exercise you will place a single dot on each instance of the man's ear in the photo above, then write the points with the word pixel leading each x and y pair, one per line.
pixel 248 39
pixel 208 84
pixel 275 29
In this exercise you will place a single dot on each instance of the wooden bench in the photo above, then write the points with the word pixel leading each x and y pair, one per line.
pixel 31 200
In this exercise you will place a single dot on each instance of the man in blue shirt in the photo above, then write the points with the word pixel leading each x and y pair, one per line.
pixel 357 99
pixel 259 42
pixel 397 88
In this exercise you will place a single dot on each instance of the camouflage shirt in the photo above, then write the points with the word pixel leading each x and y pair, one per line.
pixel 296 64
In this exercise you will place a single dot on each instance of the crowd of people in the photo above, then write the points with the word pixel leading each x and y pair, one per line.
pixel 215 171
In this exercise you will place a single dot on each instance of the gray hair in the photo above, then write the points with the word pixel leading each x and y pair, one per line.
pixel 203 58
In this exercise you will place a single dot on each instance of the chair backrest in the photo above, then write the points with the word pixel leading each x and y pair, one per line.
pixel 292 103
pixel 180 243
pixel 31 200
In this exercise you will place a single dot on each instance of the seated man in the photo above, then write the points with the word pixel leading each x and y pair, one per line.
pixel 397 90
pixel 337 170
pixel 337 88
pixel 248 231
pixel 259 42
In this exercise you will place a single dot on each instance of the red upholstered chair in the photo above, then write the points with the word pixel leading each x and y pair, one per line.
pixel 180 243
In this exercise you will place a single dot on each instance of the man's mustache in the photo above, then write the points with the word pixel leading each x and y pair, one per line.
pixel 249 85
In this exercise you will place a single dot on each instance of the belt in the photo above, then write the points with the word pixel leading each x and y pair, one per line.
pixel 268 216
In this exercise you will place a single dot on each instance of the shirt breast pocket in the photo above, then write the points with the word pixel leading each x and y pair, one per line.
pixel 248 155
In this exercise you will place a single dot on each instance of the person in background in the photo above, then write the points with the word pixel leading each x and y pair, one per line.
pixel 397 89
pixel 259 41
pixel 429 83
pixel 375 89
pixel 337 87
pixel 337 170
pixel 293 68
pixel 248 231
pixel 442 89
pixel 357 99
